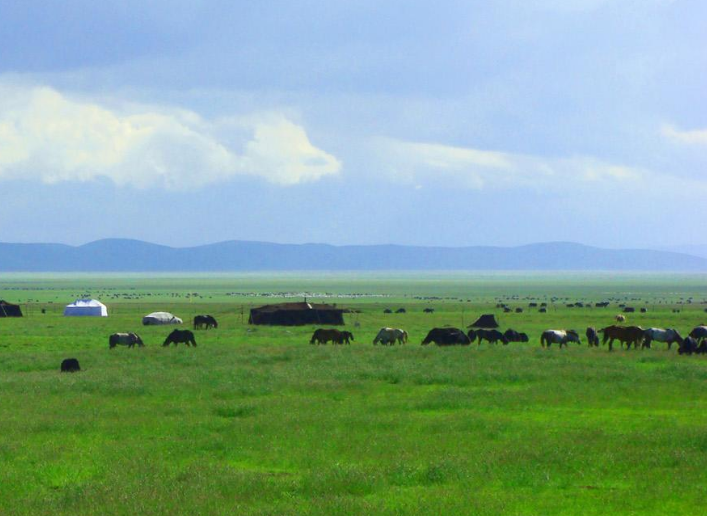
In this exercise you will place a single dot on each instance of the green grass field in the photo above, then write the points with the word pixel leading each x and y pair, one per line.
pixel 257 421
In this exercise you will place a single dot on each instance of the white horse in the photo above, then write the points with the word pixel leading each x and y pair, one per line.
pixel 660 335
pixel 559 337
pixel 388 336
pixel 125 339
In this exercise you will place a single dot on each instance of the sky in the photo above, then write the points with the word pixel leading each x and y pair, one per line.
pixel 450 123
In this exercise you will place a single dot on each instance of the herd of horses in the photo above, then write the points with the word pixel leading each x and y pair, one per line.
pixel 695 342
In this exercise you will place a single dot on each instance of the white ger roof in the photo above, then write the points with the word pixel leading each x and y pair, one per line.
pixel 86 303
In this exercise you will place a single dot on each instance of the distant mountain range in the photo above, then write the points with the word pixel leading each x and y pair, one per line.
pixel 117 255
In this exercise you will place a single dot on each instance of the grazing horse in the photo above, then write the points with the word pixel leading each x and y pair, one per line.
pixel 346 337
pixel 624 334
pixel 592 336
pixel 492 336
pixel 446 337
pixel 323 336
pixel 620 318
pixel 125 339
pixel 660 335
pixel 205 322
pixel 177 336
pixel 560 337
pixel 389 336
pixel 689 346
pixel 699 333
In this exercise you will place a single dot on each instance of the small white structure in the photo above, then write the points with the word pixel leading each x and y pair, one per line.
pixel 158 318
pixel 86 308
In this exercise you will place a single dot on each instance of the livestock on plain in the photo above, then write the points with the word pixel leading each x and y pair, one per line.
pixel 324 336
pixel 624 334
pixel 389 336
pixel 205 322
pixel 592 336
pixel 668 336
pixel 125 339
pixel 491 336
pixel 180 336
pixel 699 333
pixel 560 337
pixel 446 337
pixel 70 365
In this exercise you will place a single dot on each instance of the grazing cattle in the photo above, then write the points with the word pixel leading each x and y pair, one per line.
pixel 125 339
pixel 592 336
pixel 620 318
pixel 514 336
pixel 387 311
pixel 70 365
pixel 560 337
pixel 543 310
pixel 702 348
pixel 532 305
pixel 492 336
pixel 668 336
pixel 699 333
pixel 624 334
pixel 205 322
pixel 183 336
pixel 602 304
pixel 446 337
pixel 324 336
pixel 400 311
pixel 519 310
pixel 688 346
pixel 429 310
pixel 644 310
pixel 629 310
pixel 389 336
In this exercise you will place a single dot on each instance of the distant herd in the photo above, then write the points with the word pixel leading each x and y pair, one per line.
pixel 695 342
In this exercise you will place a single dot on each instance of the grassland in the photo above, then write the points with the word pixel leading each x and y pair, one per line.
pixel 257 421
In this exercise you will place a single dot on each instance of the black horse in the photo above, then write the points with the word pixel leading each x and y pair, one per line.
pixel 492 336
pixel 205 322
pixel 592 337
pixel 177 336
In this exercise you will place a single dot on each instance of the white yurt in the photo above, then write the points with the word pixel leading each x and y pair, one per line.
pixel 86 308
pixel 156 318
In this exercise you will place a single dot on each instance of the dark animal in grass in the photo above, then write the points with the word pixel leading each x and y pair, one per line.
pixel 70 365
pixel 514 336
pixel 491 336
pixel 180 336
pixel 561 337
pixel 400 311
pixel 688 346
pixel 699 333
pixel 668 336
pixel 624 334
pixel 532 305
pixel 429 310
pixel 324 336
pixel 387 311
pixel 644 310
pixel 592 336
pixel 125 339
pixel 519 310
pixel 629 310
pixel 446 337
pixel 543 310
pixel 205 322
pixel 701 348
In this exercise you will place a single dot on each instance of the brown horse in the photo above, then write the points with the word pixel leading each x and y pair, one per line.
pixel 322 336
pixel 625 335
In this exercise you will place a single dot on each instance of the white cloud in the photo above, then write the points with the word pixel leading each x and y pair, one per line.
pixel 47 136
pixel 415 163
pixel 696 137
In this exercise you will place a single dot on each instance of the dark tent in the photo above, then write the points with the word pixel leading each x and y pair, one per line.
pixel 485 321
pixel 296 314
pixel 9 310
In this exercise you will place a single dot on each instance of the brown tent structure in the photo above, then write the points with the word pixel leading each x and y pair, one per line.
pixel 485 321
pixel 296 314
pixel 9 310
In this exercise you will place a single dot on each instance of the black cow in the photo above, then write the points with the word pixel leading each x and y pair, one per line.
pixel 446 337
pixel 70 365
